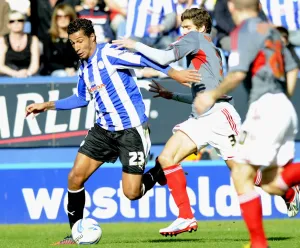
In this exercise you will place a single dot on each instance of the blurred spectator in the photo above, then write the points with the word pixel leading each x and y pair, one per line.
pixel 151 22
pixel 19 55
pixel 41 13
pixel 285 39
pixel 22 6
pixel 4 10
pixel 99 18
pixel 284 13
pixel 60 59
pixel 225 24
pixel 118 11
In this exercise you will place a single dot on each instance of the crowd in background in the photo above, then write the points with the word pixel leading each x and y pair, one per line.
pixel 34 39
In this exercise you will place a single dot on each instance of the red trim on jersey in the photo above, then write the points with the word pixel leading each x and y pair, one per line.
pixel 199 59
pixel 234 35
pixel 230 120
pixel 258 63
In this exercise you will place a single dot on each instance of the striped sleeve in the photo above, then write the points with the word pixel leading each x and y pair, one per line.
pixel 123 59
pixel 82 90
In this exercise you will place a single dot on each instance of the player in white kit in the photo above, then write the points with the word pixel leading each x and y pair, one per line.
pixel 268 133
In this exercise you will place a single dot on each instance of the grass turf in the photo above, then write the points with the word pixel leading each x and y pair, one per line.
pixel 210 234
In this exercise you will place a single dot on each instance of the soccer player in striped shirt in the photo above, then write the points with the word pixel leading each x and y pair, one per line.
pixel 121 129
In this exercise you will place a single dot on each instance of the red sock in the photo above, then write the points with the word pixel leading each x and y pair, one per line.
pixel 289 195
pixel 252 213
pixel 177 184
pixel 290 175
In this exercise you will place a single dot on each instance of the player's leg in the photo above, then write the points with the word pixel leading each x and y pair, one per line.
pixel 189 137
pixel 178 147
pixel 134 146
pixel 291 196
pixel 243 177
pixel 83 168
pixel 96 149
pixel 227 123
pixel 261 145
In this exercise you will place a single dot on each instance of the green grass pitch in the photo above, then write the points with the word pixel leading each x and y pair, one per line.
pixel 210 234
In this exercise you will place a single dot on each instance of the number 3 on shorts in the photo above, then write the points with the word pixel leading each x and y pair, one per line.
pixel 136 158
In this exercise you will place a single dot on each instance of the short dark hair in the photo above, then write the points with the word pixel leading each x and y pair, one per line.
pixel 81 24
pixel 283 31
pixel 199 16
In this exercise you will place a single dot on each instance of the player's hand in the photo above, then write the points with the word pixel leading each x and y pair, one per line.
pixel 124 43
pixel 36 108
pixel 161 91
pixel 185 77
pixel 203 101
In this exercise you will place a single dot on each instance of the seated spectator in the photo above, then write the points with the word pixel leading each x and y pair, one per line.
pixel 151 22
pixel 60 59
pixel 20 54
pixel 285 39
pixel 284 13
pixel 4 10
pixel 99 18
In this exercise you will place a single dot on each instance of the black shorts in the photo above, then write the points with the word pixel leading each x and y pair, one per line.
pixel 131 145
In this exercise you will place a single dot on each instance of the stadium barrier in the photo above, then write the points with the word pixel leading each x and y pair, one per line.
pixel 34 190
pixel 39 195
pixel 67 128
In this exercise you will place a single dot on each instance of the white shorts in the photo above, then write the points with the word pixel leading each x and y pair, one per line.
pixel 218 129
pixel 268 133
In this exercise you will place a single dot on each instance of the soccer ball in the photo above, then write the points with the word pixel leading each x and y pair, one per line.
pixel 86 231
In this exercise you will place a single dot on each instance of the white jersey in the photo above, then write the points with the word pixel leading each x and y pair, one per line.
pixel 108 77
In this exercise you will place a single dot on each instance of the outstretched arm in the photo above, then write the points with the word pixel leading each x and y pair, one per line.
pixel 123 59
pixel 164 93
pixel 185 98
pixel 71 102
pixel 161 57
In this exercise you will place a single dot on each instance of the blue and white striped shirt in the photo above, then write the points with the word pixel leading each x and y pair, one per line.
pixel 142 14
pixel 284 13
pixel 108 77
